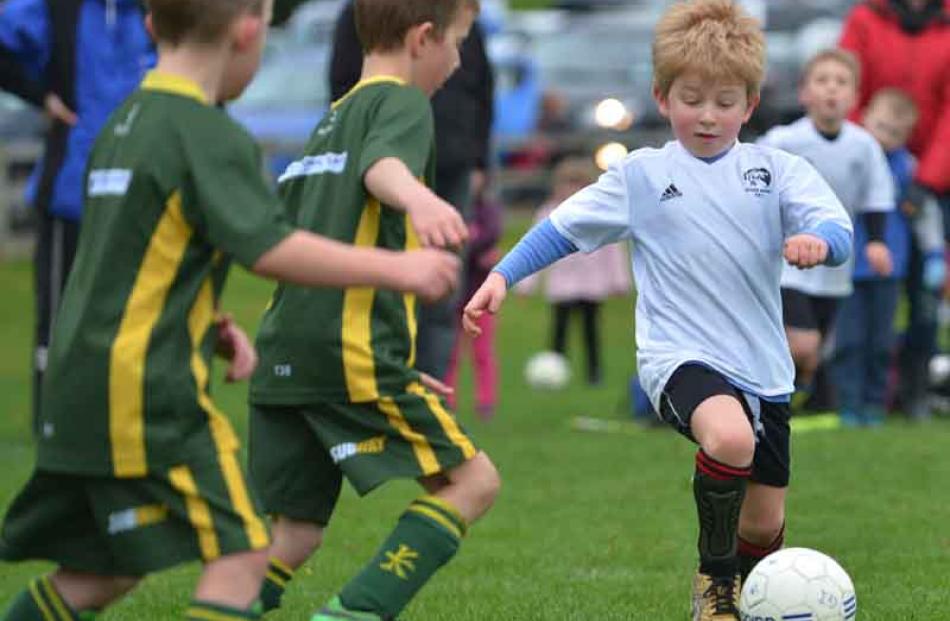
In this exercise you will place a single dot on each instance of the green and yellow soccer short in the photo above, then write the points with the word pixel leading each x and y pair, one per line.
pixel 134 526
pixel 299 454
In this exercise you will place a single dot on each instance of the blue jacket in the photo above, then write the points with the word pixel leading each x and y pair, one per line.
pixel 93 54
pixel 897 230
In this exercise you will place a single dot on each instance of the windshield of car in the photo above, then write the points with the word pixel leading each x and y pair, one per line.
pixel 618 58
pixel 289 79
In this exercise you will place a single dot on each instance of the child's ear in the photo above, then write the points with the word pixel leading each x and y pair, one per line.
pixel 662 101
pixel 247 31
pixel 418 37
pixel 753 104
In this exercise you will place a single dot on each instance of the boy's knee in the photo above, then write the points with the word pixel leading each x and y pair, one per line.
pixel 481 483
pixel 295 540
pixel 735 447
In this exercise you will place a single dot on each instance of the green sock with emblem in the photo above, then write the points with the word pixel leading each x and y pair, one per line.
pixel 426 538
pixel 41 602
pixel 206 611
pixel 275 582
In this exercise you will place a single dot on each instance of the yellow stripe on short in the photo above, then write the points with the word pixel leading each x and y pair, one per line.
pixel 40 602
pixel 58 604
pixel 199 513
pixel 420 446
pixel 452 431
pixel 226 443
pixel 437 517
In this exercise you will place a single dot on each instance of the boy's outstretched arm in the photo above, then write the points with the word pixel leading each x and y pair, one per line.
pixel 540 247
pixel 303 258
pixel 437 223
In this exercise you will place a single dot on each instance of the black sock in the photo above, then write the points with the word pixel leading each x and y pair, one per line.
pixel 719 490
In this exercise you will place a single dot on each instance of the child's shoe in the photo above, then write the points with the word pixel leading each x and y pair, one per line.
pixel 715 599
pixel 335 610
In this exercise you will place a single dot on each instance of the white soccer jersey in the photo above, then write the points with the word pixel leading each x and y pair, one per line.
pixel 855 167
pixel 707 255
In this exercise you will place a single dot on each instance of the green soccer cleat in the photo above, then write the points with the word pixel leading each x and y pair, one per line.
pixel 336 610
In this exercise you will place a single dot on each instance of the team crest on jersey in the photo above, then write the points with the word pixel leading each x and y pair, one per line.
pixel 757 181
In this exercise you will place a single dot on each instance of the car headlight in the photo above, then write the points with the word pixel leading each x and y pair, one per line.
pixel 607 154
pixel 612 113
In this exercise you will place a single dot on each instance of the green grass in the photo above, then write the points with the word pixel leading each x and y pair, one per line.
pixel 588 525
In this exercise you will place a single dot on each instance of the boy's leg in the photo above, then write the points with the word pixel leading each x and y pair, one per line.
pixel 761 525
pixel 702 405
pixel 418 438
pixel 298 483
pixel 486 367
pixel 882 307
pixel 850 361
pixel 426 537
pixel 229 587
pixel 562 313
pixel 804 341
pixel 67 595
pixel 592 340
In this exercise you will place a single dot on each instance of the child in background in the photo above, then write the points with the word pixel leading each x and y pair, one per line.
pixel 711 221
pixel 578 284
pixel 917 242
pixel 865 336
pixel 853 164
pixel 485 230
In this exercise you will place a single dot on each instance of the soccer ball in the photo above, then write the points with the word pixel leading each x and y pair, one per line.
pixel 799 584
pixel 547 370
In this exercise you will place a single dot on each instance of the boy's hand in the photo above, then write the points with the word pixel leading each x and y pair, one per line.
pixel 437 223
pixel 805 250
pixel 440 388
pixel 429 273
pixel 879 258
pixel 488 298
pixel 234 345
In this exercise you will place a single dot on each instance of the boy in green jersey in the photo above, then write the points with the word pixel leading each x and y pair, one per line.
pixel 336 393
pixel 136 468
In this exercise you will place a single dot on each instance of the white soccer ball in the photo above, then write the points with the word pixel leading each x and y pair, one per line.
pixel 798 584
pixel 547 370
pixel 939 368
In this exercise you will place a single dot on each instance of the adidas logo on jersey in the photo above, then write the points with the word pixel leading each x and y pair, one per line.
pixel 670 192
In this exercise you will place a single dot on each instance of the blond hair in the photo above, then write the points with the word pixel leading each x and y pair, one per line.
pixel 713 37
pixel 834 54
pixel 896 103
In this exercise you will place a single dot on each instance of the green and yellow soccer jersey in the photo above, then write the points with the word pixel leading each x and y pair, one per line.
pixel 174 190
pixel 355 344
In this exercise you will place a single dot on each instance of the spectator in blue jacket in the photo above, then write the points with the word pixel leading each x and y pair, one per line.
pixel 865 333
pixel 78 60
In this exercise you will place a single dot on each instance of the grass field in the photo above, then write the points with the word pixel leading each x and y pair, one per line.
pixel 588 525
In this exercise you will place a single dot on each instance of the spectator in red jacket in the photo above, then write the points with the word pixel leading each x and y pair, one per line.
pixel 905 44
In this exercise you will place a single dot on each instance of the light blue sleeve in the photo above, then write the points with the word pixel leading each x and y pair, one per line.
pixel 839 241
pixel 598 215
pixel 24 32
pixel 539 248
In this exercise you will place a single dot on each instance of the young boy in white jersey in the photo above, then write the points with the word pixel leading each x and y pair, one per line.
pixel 711 222
pixel 853 164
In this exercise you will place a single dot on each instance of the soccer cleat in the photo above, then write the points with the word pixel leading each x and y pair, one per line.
pixel 335 610
pixel 715 599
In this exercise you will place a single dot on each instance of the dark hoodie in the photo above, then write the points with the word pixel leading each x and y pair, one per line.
pixel 900 48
